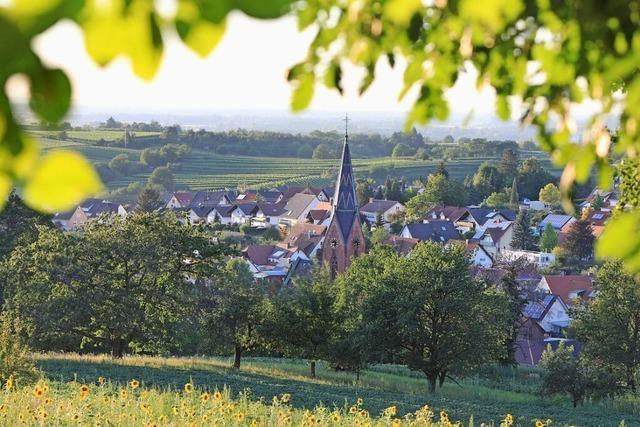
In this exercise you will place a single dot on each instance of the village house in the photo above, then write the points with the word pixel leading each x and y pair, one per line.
pixel 87 211
pixel 495 237
pixel 540 259
pixel 387 210
pixel 305 237
pixel 199 215
pixel 569 288
pixel 608 199
pixel 468 219
pixel 557 221
pixel 297 208
pixel 319 217
pixel 479 255
pixel 273 265
pixel 268 215
pixel 179 199
pixel 221 214
pixel 402 245
pixel 244 212
pixel 549 312
pixel 436 231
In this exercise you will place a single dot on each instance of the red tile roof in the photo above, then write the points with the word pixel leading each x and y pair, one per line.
pixel 562 286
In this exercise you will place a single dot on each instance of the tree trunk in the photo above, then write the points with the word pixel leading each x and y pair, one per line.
pixel 575 402
pixel 313 369
pixel 442 377
pixel 357 375
pixel 433 379
pixel 631 379
pixel 236 357
pixel 117 348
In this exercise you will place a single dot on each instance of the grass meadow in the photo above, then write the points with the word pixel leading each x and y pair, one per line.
pixel 487 397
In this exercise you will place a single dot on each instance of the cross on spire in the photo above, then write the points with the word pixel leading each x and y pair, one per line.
pixel 346 126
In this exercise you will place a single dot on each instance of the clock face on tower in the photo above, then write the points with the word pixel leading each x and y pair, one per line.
pixel 356 243
pixel 334 243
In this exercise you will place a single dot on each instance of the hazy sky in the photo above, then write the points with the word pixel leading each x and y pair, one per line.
pixel 246 71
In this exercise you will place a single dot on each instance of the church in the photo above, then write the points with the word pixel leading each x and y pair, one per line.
pixel 344 238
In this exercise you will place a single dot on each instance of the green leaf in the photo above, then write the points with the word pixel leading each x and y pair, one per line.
pixel 62 179
pixel 618 241
pixel 502 107
pixel 215 11
pixel 264 9
pixel 50 94
pixel 201 36
pixel 303 93
pixel 401 11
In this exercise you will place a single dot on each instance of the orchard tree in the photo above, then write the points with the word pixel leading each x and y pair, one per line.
pixel 487 180
pixel 509 163
pixel 236 309
pixel 563 373
pixel 609 325
pixel 301 321
pixel 148 200
pixel 18 224
pixel 532 177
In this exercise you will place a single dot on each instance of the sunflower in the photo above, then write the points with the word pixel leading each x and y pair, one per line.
pixel 134 384
pixel 285 397
pixel 188 387
pixel 204 397
pixel 101 380
pixel 359 401
pixel 539 423
pixel 353 410
pixel 38 391
pixel 396 423
pixel 123 394
pixel 240 416
pixel 217 395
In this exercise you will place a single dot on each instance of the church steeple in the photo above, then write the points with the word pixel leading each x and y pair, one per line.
pixel 345 199
pixel 344 238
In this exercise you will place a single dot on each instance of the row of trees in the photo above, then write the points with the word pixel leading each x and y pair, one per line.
pixel 150 284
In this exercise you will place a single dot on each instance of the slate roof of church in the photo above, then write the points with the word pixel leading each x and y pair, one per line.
pixel 345 201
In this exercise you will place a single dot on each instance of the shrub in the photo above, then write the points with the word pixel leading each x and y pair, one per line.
pixel 16 365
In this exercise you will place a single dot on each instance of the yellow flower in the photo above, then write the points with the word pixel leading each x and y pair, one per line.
pixel 217 395
pixel 204 397
pixel 359 401
pixel 335 417
pixel 38 391
pixel 539 423
pixel 353 410
pixel 188 387
pixel 101 380
pixel 84 391
pixel 123 394
pixel 363 413
pixel 508 419
pixel 390 411
pixel 396 423
pixel 134 384
pixel 240 416
pixel 254 423
pixel 10 383
pixel 174 409
pixel 285 397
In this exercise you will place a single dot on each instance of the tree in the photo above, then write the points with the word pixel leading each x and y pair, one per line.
pixel 609 325
pixel 305 151
pixel 120 164
pixel 19 224
pixel 579 240
pixel 301 321
pixel 150 157
pixel 498 199
pixel 563 373
pixel 509 163
pixel 487 180
pixel 324 151
pixel 428 310
pixel 148 200
pixel 16 363
pixel 162 177
pixel 271 234
pixel 550 195
pixel 379 236
pixel 402 150
pixel 121 284
pixel 549 238
pixel 514 199
pixel 364 190
pixel 522 237
pixel 236 304
pixel 437 191
pixel 532 177
pixel 442 170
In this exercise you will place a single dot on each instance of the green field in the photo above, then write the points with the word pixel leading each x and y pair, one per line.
pixel 207 170
pixel 487 397
pixel 92 135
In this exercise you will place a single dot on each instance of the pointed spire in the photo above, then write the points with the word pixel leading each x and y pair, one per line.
pixel 345 200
